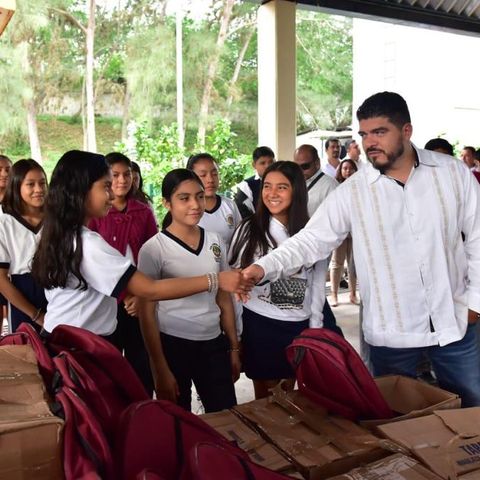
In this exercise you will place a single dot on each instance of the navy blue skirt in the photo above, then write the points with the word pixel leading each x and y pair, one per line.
pixel 264 341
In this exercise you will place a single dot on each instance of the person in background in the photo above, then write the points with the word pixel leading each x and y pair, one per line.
pixel 126 227
pixel 192 338
pixel 5 166
pixel 248 190
pixel 276 312
pixel 332 149
pixel 221 214
pixel 344 252
pixel 20 229
pixel 468 157
pixel 137 187
pixel 353 152
pixel 440 145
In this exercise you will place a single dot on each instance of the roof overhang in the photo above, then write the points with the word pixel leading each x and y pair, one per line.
pixel 458 16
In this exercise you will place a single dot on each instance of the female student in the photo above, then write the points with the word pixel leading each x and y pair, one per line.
pixel 20 227
pixel 138 193
pixel 81 273
pixel 5 166
pixel 221 214
pixel 198 341
pixel 126 227
pixel 276 312
pixel 345 251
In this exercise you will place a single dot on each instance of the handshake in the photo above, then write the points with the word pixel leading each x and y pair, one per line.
pixel 240 282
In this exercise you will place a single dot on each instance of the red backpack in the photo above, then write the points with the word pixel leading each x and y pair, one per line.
pixel 209 461
pixel 331 373
pixel 157 435
pixel 27 335
pixel 86 453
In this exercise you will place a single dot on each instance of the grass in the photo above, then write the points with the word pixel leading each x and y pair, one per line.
pixel 62 133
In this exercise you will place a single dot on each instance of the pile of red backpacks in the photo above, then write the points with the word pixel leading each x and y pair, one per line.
pixel 113 430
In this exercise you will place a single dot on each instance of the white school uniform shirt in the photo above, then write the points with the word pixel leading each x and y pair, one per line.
pixel 18 242
pixel 196 317
pixel 222 219
pixel 318 190
pixel 411 262
pixel 312 305
pixel 107 273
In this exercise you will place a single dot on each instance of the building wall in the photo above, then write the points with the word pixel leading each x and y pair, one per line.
pixel 436 72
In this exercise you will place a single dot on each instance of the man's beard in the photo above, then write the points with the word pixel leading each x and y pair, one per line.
pixel 391 158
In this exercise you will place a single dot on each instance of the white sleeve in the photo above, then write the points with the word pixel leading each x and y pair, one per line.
pixel 5 258
pixel 103 267
pixel 318 293
pixel 471 229
pixel 149 259
pixel 324 232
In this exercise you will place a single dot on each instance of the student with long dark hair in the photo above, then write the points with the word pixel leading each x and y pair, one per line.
pixel 221 214
pixel 5 166
pixel 137 187
pixel 126 227
pixel 82 274
pixel 276 312
pixel 20 227
pixel 198 340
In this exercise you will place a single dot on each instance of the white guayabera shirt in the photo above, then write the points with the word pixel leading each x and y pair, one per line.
pixel 417 277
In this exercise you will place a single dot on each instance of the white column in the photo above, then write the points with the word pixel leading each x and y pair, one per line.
pixel 277 77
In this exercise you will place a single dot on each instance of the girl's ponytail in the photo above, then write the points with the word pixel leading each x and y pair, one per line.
pixel 167 220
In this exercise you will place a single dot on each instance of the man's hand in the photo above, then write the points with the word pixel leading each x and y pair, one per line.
pixel 254 273
pixel 472 317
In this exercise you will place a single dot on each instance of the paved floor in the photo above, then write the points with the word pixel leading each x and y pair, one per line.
pixel 347 317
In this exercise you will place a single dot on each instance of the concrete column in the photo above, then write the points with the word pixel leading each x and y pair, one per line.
pixel 277 77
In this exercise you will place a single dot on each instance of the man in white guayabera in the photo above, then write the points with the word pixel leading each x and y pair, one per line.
pixel 414 217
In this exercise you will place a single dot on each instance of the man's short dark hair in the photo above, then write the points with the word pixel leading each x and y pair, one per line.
pixel 331 140
pixel 439 143
pixel 349 142
pixel 470 149
pixel 262 152
pixel 385 104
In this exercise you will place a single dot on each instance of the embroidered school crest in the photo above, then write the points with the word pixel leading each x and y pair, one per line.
pixel 217 251
pixel 229 220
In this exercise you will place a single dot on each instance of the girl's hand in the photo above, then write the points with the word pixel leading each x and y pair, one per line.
pixel 236 364
pixel 233 281
pixel 166 387
pixel 131 305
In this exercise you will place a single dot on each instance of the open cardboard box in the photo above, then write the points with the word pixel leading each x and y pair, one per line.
pixel 319 445
pixel 259 450
pixel 447 442
pixel 30 436
pixel 411 398
pixel 395 467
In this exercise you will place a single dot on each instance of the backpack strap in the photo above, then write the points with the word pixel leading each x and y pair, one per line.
pixel 315 181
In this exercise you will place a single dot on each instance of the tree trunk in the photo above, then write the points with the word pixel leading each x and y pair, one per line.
pixel 126 112
pixel 238 66
pixel 89 92
pixel 212 70
pixel 35 151
pixel 179 67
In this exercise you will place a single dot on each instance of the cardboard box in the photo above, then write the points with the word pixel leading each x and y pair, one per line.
pixel 411 398
pixel 395 467
pixel 447 442
pixel 30 436
pixel 319 445
pixel 259 450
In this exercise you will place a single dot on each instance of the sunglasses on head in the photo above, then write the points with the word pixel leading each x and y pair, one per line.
pixel 306 166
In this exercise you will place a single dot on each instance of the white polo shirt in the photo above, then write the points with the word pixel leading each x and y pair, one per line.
pixel 222 219
pixel 412 265
pixel 18 242
pixel 196 317
pixel 107 273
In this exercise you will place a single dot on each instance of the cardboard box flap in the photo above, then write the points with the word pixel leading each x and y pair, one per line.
pixel 17 359
pixel 259 450
pixel 463 425
pixel 395 467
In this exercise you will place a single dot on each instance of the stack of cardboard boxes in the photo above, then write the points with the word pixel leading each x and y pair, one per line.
pixel 431 438
pixel 30 436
